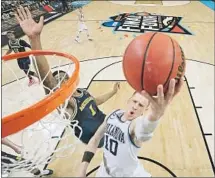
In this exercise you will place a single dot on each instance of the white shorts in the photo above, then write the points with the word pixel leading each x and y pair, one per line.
pixel 139 172
pixel 82 27
pixel 102 172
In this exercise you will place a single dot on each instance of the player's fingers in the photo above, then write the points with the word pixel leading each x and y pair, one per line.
pixel 28 12
pixel 17 18
pixel 41 20
pixel 160 94
pixel 150 98
pixel 171 90
pixel 20 14
pixel 118 85
pixel 22 10
pixel 179 86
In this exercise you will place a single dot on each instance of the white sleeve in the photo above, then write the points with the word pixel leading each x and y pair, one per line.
pixel 144 128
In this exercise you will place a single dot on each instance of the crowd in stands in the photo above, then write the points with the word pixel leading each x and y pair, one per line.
pixel 8 7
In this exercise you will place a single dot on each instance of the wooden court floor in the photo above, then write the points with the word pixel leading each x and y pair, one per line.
pixel 183 143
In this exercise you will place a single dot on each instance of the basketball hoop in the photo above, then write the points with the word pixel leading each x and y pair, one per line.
pixel 31 117
pixel 22 119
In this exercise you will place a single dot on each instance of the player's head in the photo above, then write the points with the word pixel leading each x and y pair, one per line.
pixel 80 9
pixel 136 105
pixel 61 76
pixel 11 35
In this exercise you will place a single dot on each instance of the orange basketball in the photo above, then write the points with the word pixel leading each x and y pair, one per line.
pixel 152 59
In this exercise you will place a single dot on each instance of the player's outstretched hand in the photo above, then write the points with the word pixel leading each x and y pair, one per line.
pixel 27 23
pixel 160 102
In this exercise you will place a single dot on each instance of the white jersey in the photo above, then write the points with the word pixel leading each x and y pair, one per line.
pixel 82 26
pixel 82 17
pixel 120 153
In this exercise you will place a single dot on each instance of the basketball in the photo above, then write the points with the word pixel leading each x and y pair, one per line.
pixel 152 59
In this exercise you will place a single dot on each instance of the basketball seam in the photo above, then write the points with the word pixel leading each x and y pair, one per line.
pixel 173 62
pixel 144 59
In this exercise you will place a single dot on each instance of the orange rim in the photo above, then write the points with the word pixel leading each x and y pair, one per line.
pixel 24 118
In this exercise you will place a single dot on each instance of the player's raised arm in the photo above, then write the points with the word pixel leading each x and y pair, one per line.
pixel 91 149
pixel 142 128
pixel 103 98
pixel 33 31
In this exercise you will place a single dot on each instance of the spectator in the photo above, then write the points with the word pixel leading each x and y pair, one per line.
pixel 19 45
pixel 65 6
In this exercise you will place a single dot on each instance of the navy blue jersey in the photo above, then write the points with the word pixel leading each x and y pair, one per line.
pixel 18 45
pixel 89 116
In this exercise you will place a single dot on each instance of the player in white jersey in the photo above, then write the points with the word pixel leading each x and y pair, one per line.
pixel 125 131
pixel 82 26
pixel 119 146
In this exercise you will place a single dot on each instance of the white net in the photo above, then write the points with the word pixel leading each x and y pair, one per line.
pixel 38 143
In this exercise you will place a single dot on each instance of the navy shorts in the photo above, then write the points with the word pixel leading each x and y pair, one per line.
pixel 24 63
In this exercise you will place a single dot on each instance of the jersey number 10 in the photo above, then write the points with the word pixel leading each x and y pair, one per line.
pixel 111 145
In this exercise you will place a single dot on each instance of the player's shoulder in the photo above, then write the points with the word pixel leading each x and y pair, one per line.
pixel 117 113
pixel 9 42
pixel 21 41
pixel 83 90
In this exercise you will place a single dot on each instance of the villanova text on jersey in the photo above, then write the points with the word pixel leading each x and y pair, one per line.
pixel 115 132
